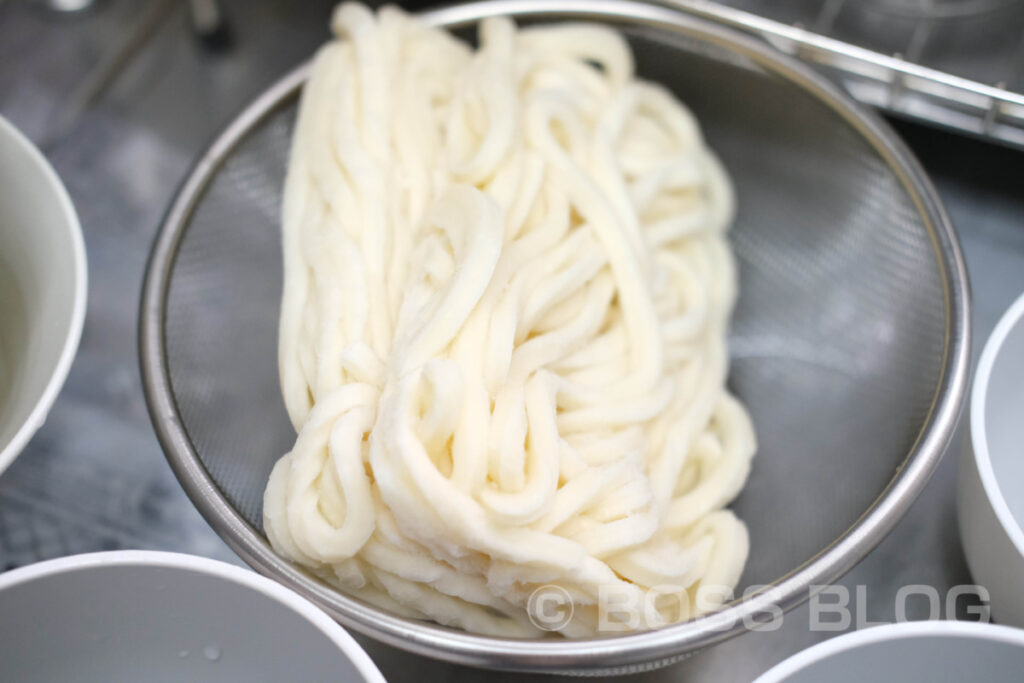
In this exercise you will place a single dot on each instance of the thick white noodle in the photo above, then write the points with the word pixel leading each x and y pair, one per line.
pixel 503 331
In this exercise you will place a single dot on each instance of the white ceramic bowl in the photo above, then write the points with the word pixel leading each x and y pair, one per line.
pixel 991 485
pixel 912 652
pixel 42 289
pixel 156 617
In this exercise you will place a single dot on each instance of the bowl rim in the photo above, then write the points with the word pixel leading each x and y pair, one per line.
pixel 886 633
pixel 623 653
pixel 980 450
pixel 207 567
pixel 71 225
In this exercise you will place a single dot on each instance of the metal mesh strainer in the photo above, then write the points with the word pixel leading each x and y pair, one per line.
pixel 850 340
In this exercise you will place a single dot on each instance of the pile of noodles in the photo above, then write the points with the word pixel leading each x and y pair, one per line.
pixel 503 333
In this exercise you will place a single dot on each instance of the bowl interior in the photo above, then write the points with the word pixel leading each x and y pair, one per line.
pixel 42 282
pixel 1004 429
pixel 837 342
pixel 919 658
pixel 144 620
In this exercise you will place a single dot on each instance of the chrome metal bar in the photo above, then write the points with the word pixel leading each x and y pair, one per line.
pixel 896 83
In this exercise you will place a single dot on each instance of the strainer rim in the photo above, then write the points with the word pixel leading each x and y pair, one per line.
pixel 605 655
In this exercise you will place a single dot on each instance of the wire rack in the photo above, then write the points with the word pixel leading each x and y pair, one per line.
pixel 955 63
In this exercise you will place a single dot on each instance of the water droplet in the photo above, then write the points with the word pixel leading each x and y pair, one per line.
pixel 212 653
pixel 183 654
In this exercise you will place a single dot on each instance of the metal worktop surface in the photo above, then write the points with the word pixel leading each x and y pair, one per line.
pixel 122 98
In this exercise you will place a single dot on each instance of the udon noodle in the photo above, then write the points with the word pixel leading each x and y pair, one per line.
pixel 503 331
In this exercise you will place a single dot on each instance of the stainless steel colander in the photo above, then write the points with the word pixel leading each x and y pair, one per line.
pixel 849 344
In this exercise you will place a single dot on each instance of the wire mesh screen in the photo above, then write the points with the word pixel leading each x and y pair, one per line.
pixel 837 340
pixel 222 315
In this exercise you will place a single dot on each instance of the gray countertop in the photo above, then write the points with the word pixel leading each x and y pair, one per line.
pixel 122 98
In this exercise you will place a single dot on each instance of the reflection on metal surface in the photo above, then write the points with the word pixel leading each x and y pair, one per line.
pixel 69 5
pixel 935 9
pixel 104 74
pixel 955 64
